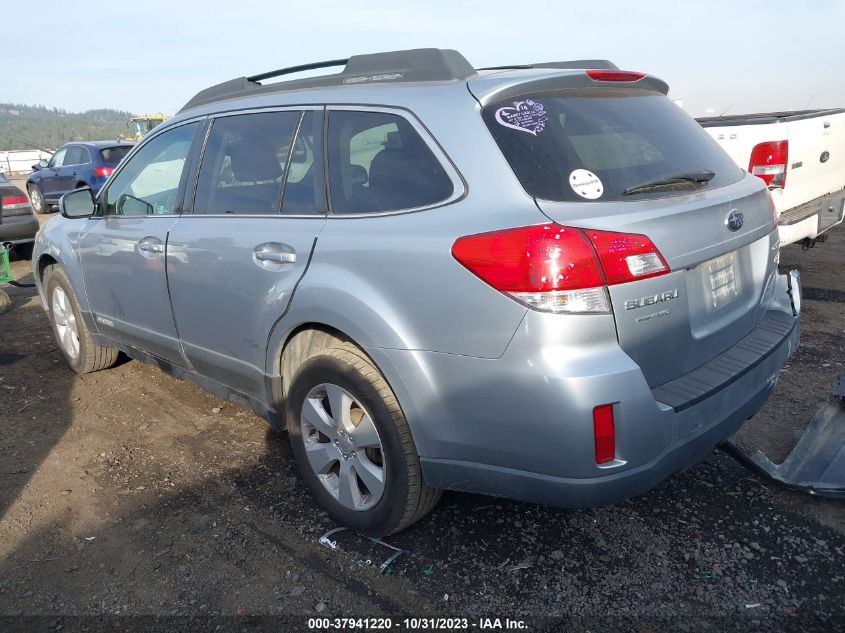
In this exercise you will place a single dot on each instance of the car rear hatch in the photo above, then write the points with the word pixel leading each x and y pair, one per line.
pixel 618 159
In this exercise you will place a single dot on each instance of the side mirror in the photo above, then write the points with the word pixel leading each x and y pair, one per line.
pixel 78 203
pixel 41 164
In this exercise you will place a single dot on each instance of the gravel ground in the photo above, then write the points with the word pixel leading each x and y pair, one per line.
pixel 129 493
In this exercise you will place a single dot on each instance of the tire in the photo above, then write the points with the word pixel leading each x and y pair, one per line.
pixel 68 326
pixel 404 497
pixel 36 199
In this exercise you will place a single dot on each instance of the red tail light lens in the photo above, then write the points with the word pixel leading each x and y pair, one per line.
pixel 557 268
pixel 605 433
pixel 625 257
pixel 12 201
pixel 102 172
pixel 769 161
pixel 614 75
pixel 548 267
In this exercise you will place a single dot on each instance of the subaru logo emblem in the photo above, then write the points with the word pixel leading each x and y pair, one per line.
pixel 735 220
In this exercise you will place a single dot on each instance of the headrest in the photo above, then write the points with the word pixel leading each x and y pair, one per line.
pixel 392 140
pixel 253 161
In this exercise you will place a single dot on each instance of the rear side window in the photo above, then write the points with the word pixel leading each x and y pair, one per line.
pixel 114 155
pixel 593 145
pixel 244 163
pixel 378 162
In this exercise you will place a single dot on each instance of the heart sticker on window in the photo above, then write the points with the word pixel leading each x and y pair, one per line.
pixel 525 116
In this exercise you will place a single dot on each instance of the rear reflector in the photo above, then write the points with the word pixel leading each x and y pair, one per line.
pixel 615 75
pixel 557 268
pixel 14 201
pixel 769 161
pixel 626 257
pixel 102 172
pixel 605 434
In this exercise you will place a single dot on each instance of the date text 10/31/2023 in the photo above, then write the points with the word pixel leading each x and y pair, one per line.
pixel 416 624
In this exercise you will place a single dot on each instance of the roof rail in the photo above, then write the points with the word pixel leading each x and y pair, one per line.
pixel 420 64
pixel 597 64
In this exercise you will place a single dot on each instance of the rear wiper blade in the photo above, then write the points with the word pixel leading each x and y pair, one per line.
pixel 692 177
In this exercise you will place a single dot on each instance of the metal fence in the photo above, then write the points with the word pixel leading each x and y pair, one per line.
pixel 20 161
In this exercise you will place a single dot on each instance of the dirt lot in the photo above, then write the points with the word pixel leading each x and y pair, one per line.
pixel 127 492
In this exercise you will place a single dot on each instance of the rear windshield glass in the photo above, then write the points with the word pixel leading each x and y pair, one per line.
pixel 592 145
pixel 114 154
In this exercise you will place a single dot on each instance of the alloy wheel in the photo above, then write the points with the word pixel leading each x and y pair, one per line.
pixel 343 447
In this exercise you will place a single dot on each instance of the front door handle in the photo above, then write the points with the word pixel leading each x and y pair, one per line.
pixel 150 246
pixel 272 255
pixel 279 258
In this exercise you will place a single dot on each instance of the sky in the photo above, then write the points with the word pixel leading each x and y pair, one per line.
pixel 152 56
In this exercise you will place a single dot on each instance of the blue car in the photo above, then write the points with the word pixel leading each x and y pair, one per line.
pixel 74 165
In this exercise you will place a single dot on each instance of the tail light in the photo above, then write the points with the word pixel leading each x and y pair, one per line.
pixel 102 172
pixel 614 75
pixel 769 161
pixel 604 432
pixel 13 202
pixel 557 268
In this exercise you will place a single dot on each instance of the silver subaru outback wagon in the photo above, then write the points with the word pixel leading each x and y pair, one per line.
pixel 544 282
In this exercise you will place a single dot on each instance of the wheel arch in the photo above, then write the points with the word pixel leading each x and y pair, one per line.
pixel 72 271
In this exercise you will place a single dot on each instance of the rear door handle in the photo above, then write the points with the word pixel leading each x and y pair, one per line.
pixel 273 254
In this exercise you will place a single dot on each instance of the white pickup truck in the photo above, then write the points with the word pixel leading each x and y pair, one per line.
pixel 801 157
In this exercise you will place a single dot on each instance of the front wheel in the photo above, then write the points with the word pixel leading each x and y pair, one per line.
pixel 74 339
pixel 36 198
pixel 353 446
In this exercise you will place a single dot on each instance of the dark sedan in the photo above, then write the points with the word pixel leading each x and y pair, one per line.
pixel 74 165
pixel 18 225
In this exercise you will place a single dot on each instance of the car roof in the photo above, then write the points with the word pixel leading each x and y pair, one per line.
pixel 371 74
pixel 101 144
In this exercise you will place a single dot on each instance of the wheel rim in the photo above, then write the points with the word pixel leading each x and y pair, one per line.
pixel 35 195
pixel 343 447
pixel 65 322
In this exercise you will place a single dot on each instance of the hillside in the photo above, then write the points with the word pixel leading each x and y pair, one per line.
pixel 29 127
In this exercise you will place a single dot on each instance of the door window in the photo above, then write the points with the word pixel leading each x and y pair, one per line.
pixel 149 183
pixel 73 156
pixel 378 162
pixel 244 163
pixel 58 158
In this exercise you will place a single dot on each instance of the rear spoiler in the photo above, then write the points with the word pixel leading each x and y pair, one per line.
pixel 571 79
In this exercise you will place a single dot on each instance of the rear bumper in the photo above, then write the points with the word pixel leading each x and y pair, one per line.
pixel 521 426
pixel 18 229
pixel 810 220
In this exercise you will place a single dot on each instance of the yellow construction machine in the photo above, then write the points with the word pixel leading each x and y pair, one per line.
pixel 143 124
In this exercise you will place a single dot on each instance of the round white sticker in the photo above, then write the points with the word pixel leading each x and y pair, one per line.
pixel 586 184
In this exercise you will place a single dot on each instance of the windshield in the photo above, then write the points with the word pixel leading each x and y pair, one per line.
pixel 594 144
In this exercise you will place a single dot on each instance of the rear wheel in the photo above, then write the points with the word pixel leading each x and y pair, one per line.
pixel 353 445
pixel 36 198
pixel 72 335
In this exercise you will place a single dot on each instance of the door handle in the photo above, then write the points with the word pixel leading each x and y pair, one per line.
pixel 150 246
pixel 272 255
pixel 279 258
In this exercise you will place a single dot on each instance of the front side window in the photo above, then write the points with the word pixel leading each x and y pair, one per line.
pixel 149 183
pixel 378 162
pixel 58 158
pixel 244 162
